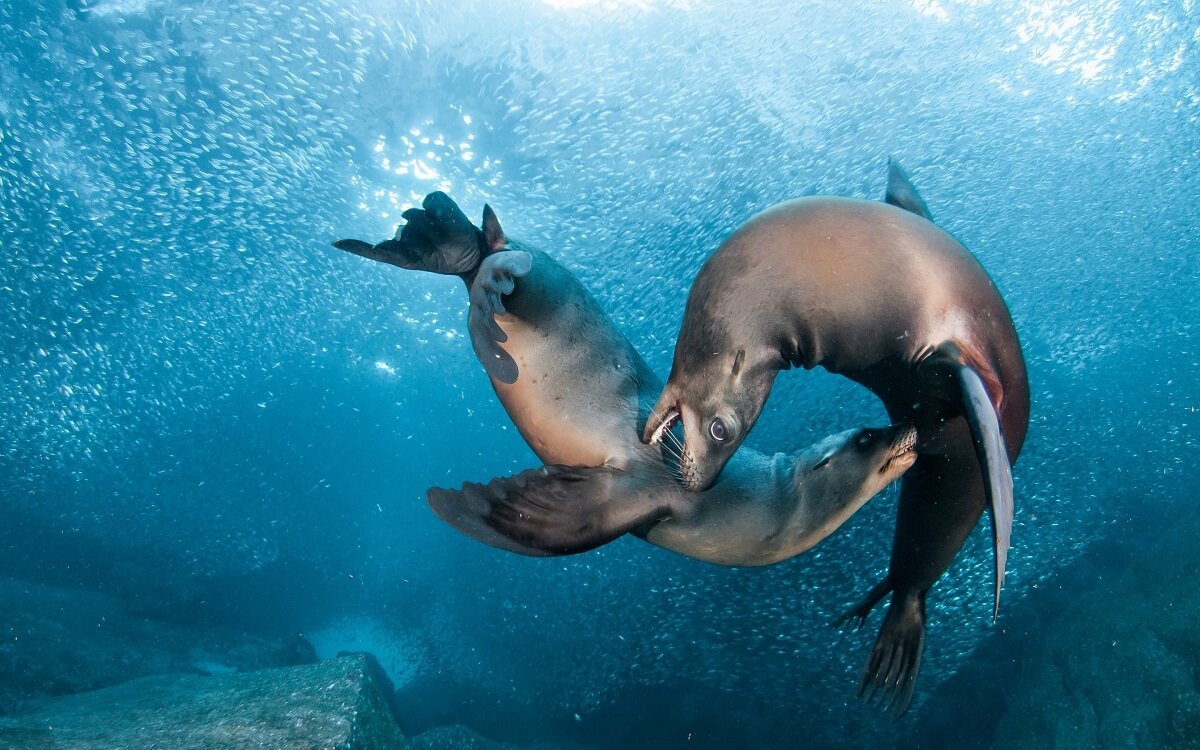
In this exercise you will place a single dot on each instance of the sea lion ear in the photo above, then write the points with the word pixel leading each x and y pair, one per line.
pixel 738 361
pixel 493 235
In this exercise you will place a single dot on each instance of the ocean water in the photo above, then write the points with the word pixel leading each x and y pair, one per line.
pixel 210 414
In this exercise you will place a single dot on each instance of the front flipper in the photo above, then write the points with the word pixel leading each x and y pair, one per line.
pixel 496 278
pixel 990 449
pixel 901 192
pixel 554 510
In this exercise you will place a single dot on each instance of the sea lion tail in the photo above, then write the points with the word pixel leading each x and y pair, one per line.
pixel 895 661
pixel 438 237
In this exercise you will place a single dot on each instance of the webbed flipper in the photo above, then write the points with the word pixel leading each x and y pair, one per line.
pixel 554 510
pixel 863 607
pixel 895 661
pixel 438 238
pixel 496 278
pixel 901 193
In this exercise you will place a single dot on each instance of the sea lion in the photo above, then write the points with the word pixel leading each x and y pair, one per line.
pixel 579 393
pixel 878 293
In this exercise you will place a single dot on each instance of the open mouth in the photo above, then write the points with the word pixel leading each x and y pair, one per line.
pixel 675 451
pixel 903 449
pixel 669 420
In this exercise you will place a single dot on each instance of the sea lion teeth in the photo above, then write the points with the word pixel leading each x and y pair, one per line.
pixel 672 416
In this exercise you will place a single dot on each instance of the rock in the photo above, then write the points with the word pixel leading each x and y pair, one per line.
pixel 458 737
pixel 56 641
pixel 455 737
pixel 1119 669
pixel 335 704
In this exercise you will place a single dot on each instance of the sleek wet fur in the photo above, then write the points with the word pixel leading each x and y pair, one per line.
pixel 579 394
pixel 878 293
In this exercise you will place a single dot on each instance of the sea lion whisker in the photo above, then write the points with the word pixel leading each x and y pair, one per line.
pixel 674 440
pixel 669 432
pixel 672 452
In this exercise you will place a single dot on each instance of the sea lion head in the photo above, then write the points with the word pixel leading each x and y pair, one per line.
pixel 835 477
pixel 717 398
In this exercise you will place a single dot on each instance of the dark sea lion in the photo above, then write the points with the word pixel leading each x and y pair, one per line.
pixel 579 393
pixel 878 293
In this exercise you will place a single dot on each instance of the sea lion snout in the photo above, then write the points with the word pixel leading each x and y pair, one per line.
pixel 693 454
pixel 902 452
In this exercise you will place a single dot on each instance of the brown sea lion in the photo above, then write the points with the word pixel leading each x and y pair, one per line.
pixel 878 293
pixel 579 394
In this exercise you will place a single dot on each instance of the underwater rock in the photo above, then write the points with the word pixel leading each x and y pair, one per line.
pixel 330 704
pixel 56 641
pixel 1118 670
pixel 458 737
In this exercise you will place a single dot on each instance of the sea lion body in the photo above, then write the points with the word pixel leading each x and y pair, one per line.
pixel 554 326
pixel 579 393
pixel 881 295
pixel 580 400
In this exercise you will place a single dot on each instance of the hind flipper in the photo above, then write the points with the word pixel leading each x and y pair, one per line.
pixel 554 510
pixel 902 194
pixel 496 278
pixel 863 608
pixel 437 238
pixel 895 661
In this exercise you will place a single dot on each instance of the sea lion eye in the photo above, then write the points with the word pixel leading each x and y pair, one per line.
pixel 822 463
pixel 863 439
pixel 717 429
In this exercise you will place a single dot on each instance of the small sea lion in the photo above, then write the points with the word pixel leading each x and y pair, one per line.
pixel 579 393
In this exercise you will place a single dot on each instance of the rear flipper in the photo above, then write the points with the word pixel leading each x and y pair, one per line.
pixel 895 661
pixel 438 238
pixel 860 611
pixel 554 510
pixel 496 278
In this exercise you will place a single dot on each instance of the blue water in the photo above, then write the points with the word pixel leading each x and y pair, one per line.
pixel 210 412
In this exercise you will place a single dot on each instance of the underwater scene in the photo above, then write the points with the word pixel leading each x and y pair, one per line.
pixel 259 490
